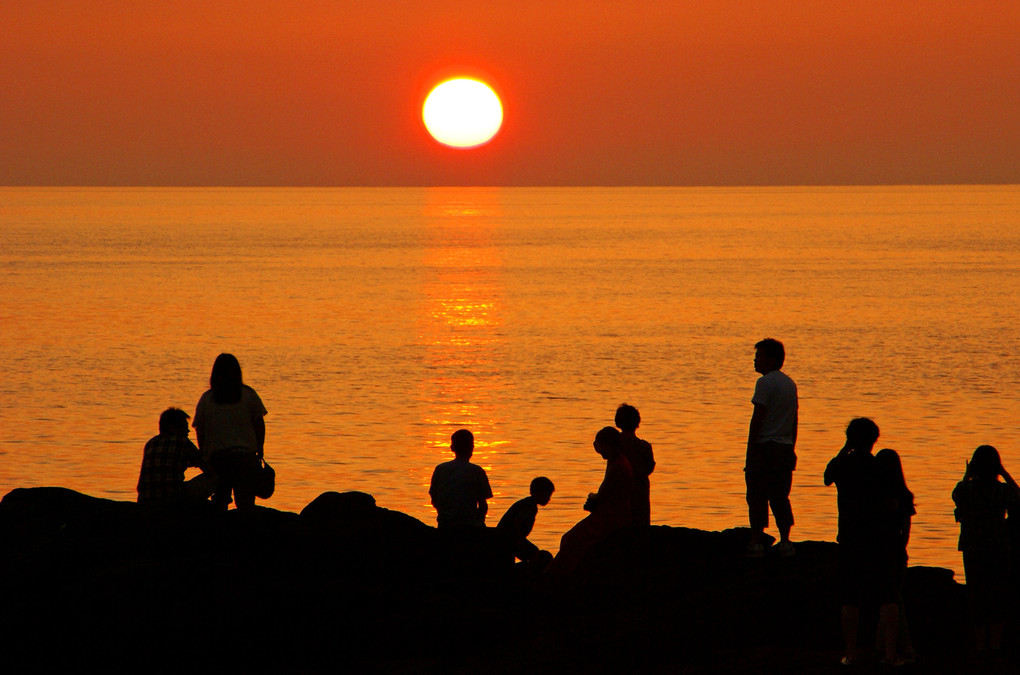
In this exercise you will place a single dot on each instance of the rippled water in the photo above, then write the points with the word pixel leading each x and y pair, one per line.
pixel 375 322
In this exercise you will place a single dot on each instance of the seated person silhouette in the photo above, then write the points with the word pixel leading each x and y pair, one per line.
pixel 165 459
pixel 609 507
pixel 518 521
pixel 460 489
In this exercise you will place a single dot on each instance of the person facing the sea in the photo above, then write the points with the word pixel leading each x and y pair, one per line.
pixel 639 453
pixel 982 502
pixel 771 438
pixel 895 510
pixel 165 459
pixel 853 472
pixel 519 520
pixel 609 507
pixel 460 489
pixel 231 429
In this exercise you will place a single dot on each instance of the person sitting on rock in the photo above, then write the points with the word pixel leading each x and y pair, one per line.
pixel 165 459
pixel 518 521
pixel 609 507
pixel 460 489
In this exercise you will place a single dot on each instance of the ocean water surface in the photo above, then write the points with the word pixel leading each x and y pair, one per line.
pixel 375 322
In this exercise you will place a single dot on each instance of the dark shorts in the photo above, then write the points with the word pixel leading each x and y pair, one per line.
pixel 769 479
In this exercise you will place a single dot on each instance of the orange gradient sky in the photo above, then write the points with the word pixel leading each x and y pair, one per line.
pixel 708 92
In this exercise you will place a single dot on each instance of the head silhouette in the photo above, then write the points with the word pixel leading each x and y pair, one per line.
pixel 607 442
pixel 986 463
pixel 861 434
pixel 889 470
pixel 627 417
pixel 770 354
pixel 225 380
pixel 462 442
pixel 174 421
pixel 542 489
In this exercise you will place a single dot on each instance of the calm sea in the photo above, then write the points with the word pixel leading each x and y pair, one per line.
pixel 374 322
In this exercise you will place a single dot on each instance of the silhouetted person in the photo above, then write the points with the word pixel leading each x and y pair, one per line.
pixel 460 489
pixel 165 459
pixel 982 503
pixel 639 453
pixel 895 509
pixel 609 507
pixel 771 438
pixel 853 472
pixel 231 429
pixel 519 520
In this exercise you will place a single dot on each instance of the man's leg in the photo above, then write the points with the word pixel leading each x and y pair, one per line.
pixel 779 499
pixel 757 505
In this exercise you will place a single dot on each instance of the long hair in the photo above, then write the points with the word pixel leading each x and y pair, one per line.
pixel 986 463
pixel 225 380
pixel 889 471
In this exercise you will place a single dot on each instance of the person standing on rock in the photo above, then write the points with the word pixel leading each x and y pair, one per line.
pixel 771 438
pixel 639 453
pixel 231 432
pixel 858 500
pixel 982 502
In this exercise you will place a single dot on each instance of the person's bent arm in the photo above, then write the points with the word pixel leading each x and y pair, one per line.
pixel 832 468
pixel 757 420
pixel 1009 479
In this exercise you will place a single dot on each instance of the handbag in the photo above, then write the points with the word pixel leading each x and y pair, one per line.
pixel 265 480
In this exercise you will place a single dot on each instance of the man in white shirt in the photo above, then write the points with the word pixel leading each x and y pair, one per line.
pixel 771 437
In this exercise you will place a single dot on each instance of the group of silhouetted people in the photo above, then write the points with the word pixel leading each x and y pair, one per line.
pixel 460 492
pixel 231 435
pixel 875 510
pixel 875 506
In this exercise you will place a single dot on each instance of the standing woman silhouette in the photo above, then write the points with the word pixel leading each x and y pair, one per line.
pixel 982 503
pixel 231 432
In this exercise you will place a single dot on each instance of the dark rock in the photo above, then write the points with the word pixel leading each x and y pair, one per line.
pixel 349 586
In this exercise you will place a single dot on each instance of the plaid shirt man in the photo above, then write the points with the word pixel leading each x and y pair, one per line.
pixel 163 463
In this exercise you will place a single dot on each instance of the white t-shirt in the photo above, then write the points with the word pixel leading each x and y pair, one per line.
pixel 229 425
pixel 777 393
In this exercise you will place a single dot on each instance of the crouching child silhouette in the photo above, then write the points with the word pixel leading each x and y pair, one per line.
pixel 519 520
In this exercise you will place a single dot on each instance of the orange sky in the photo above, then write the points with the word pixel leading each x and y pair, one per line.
pixel 706 92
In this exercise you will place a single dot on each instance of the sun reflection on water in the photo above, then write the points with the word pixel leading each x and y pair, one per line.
pixel 459 324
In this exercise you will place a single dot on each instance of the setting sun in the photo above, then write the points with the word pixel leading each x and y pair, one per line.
pixel 462 113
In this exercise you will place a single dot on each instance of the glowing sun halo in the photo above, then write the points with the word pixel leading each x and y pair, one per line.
pixel 462 113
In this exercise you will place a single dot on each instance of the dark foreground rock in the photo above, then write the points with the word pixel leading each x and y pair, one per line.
pixel 345 586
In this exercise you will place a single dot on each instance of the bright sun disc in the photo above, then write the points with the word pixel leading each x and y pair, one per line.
pixel 462 113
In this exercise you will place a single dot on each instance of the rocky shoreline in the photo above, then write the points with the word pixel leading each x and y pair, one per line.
pixel 346 586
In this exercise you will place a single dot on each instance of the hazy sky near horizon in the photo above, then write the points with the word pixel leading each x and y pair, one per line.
pixel 596 92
